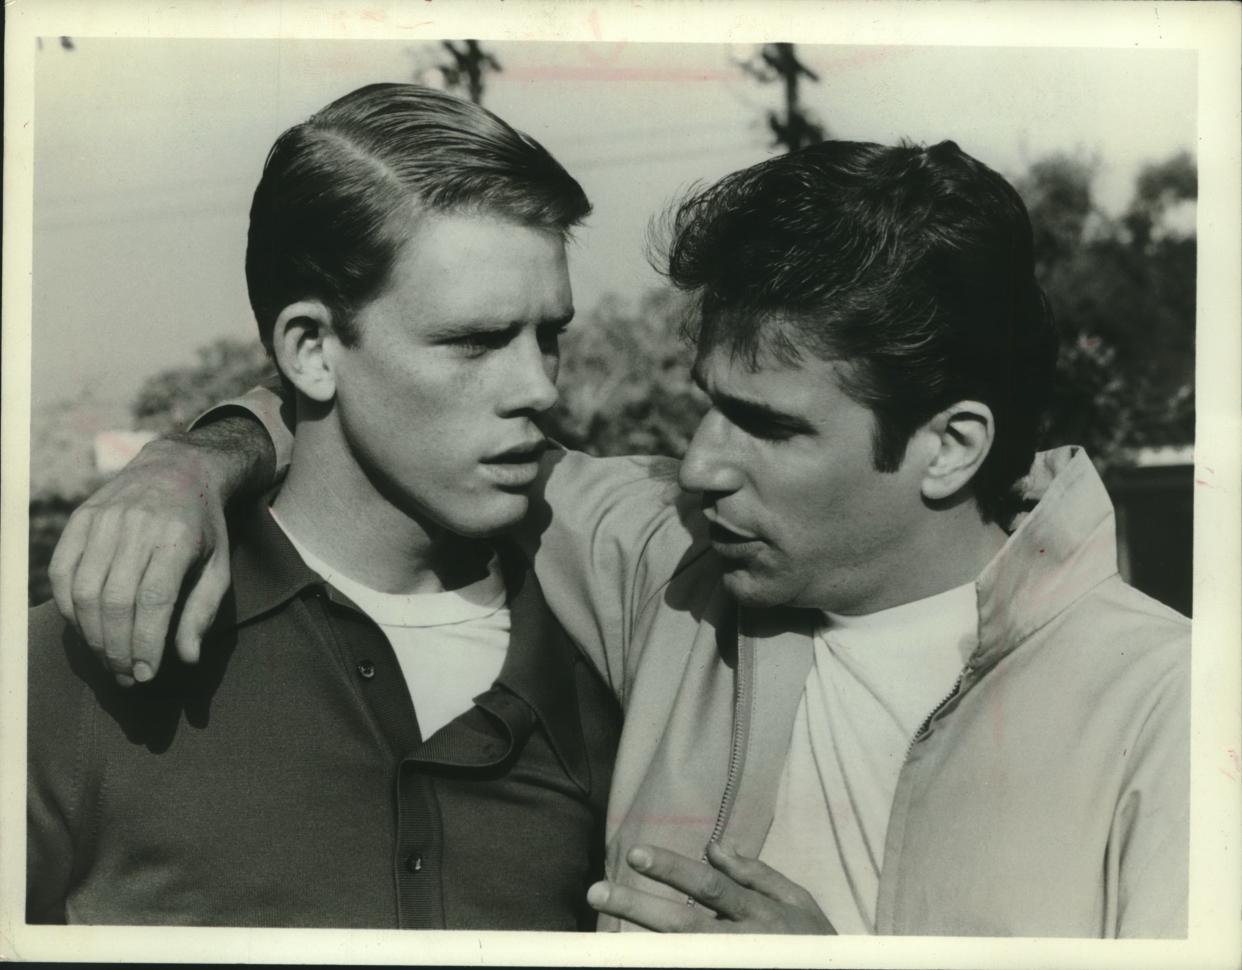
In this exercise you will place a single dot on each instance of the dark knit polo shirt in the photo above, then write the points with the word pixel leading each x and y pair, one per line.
pixel 283 781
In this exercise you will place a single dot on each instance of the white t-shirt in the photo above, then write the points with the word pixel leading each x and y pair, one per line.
pixel 450 645
pixel 874 680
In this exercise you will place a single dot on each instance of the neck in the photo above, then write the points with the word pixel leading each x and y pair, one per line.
pixel 951 550
pixel 966 546
pixel 340 514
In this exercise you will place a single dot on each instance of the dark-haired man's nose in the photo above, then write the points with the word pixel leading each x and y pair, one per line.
pixel 709 466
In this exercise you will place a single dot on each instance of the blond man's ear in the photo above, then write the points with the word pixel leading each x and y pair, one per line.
pixel 300 342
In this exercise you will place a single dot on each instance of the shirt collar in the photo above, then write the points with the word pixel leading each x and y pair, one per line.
pixel 539 664
pixel 267 570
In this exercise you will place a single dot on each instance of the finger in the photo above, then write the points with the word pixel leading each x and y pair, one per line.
pixel 117 599
pixel 90 576
pixel 63 566
pixel 700 882
pixel 755 875
pixel 644 909
pixel 154 605
pixel 201 606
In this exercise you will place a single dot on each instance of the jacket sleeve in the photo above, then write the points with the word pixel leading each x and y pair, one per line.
pixel 606 535
pixel 58 736
pixel 272 406
pixel 1150 837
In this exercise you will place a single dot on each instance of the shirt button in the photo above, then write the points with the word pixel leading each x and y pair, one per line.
pixel 414 862
pixel 366 669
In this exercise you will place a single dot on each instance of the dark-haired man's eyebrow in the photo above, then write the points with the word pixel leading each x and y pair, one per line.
pixel 750 412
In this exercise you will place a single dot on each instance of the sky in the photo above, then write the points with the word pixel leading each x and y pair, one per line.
pixel 147 152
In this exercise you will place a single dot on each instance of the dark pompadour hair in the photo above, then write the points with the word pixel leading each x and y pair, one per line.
pixel 911 266
pixel 334 204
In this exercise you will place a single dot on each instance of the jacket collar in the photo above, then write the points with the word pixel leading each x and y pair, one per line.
pixel 1057 552
pixel 539 664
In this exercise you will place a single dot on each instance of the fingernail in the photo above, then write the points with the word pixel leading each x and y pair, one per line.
pixel 125 680
pixel 597 895
pixel 142 672
pixel 725 849
pixel 639 858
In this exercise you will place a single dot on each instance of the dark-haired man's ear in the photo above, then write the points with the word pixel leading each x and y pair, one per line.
pixel 298 341
pixel 963 434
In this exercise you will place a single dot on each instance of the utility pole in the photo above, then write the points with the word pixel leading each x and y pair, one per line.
pixel 468 65
pixel 797 127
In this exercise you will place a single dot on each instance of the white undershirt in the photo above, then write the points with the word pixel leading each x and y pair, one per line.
pixel 874 680
pixel 450 645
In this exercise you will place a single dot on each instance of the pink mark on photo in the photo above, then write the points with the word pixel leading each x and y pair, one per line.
pixel 1236 761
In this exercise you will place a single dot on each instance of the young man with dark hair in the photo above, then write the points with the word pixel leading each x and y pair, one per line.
pixel 879 671
pixel 390 729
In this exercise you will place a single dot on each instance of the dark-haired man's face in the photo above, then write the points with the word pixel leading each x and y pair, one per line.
pixel 799 515
pixel 456 359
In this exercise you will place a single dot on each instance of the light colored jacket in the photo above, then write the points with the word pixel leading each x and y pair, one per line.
pixel 1047 796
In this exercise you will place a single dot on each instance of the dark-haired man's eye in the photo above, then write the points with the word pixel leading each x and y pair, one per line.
pixel 760 427
pixel 769 432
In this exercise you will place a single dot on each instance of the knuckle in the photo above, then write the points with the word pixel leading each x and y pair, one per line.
pixel 138 521
pixel 748 866
pixel 177 526
pixel 116 598
pixel 113 603
pixel 79 516
pixel 85 593
pixel 183 536
pixel 153 596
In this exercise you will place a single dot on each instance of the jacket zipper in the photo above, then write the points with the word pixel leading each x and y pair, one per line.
pixel 918 735
pixel 741 730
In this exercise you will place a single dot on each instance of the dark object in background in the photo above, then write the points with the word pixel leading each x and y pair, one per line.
pixel 1155 502
pixel 48 517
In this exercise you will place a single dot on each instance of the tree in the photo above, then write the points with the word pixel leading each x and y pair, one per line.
pixel 1123 292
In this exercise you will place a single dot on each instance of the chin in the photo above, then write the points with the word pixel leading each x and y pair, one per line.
pixel 500 515
pixel 754 591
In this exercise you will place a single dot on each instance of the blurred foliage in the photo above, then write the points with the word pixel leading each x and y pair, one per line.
pixel 625 380
pixel 1123 292
pixel 171 399
pixel 48 517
